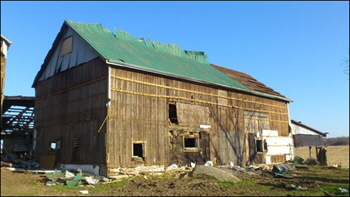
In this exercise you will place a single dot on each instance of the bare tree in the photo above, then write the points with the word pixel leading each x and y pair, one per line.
pixel 237 134
pixel 346 63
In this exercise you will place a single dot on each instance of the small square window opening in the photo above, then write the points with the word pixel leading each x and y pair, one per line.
pixel 138 150
pixel 190 143
pixel 66 46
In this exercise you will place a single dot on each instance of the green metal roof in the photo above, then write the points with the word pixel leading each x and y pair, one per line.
pixel 138 53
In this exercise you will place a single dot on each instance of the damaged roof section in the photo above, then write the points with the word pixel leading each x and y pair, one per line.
pixel 120 49
pixel 17 115
pixel 249 81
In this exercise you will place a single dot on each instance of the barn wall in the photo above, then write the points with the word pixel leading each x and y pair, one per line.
pixel 139 113
pixel 217 122
pixel 135 116
pixel 69 110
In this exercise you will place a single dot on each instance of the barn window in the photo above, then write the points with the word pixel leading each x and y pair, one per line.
pixel 66 46
pixel 172 113
pixel 53 146
pixel 190 143
pixel 261 145
pixel 138 149
pixel 56 145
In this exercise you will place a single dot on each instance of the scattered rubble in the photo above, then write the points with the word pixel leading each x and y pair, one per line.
pixel 280 170
pixel 311 161
pixel 223 173
pixel 84 191
pixel 18 161
pixel 70 179
pixel 342 190
pixel 308 161
pixel 298 160
pixel 298 187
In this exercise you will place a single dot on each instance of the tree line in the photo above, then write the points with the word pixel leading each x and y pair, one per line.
pixel 336 141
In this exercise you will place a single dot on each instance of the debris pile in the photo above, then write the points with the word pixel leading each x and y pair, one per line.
pixel 280 170
pixel 18 161
pixel 308 161
pixel 70 179
pixel 298 187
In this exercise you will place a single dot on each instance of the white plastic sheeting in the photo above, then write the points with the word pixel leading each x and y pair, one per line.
pixel 279 145
pixel 269 133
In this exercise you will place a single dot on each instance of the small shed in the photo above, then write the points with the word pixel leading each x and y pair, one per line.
pixel 304 135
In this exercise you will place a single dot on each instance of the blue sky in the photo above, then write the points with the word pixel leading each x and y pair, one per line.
pixel 295 47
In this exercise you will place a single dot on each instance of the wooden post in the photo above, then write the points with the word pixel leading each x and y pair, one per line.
pixel 309 151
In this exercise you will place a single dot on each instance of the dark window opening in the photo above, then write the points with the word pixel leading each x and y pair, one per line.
pixel 173 114
pixel 138 150
pixel 259 146
pixel 190 143
pixel 76 145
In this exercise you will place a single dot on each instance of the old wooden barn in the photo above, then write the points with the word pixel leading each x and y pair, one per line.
pixel 112 101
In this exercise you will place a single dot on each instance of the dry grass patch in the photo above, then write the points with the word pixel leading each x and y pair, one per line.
pixel 335 154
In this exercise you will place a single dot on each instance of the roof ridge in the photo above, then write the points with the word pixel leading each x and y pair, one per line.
pixel 121 49
pixel 172 49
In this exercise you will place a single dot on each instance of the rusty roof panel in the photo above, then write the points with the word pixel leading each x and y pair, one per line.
pixel 248 81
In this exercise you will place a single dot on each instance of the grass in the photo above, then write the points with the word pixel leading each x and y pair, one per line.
pixel 246 182
pixel 226 183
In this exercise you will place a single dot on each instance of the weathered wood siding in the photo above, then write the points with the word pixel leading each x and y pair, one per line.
pixel 72 105
pixel 139 113
pixel 136 115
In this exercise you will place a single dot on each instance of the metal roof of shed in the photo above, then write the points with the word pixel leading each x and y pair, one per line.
pixel 308 140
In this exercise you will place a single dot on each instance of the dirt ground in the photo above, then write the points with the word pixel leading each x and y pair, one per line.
pixel 252 184
pixel 180 183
